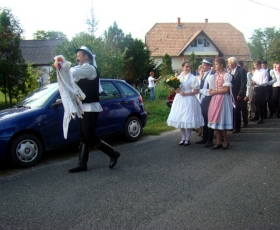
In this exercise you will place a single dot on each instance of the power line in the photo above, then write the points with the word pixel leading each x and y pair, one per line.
pixel 265 5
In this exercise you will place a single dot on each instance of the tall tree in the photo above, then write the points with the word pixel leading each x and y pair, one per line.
pixel 193 63
pixel 113 36
pixel 117 54
pixel 260 42
pixel 166 66
pixel 110 61
pixel 273 53
pixel 92 22
pixel 48 35
pixel 138 61
pixel 12 68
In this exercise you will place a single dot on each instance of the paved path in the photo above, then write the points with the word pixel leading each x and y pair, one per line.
pixel 156 185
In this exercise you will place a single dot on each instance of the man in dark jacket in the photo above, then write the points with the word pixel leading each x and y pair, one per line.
pixel 239 81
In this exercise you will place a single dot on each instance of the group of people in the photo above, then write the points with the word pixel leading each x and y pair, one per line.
pixel 216 101
pixel 265 90
pixel 212 102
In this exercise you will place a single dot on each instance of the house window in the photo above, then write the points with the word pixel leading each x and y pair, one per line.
pixel 206 43
pixel 194 43
pixel 199 41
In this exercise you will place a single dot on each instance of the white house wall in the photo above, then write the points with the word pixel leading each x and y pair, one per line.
pixel 201 50
pixel 176 62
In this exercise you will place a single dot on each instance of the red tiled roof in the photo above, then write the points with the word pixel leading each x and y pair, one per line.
pixel 168 38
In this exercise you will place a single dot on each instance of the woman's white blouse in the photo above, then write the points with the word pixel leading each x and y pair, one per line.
pixel 191 81
pixel 227 81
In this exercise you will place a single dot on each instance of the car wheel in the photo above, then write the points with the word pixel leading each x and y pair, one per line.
pixel 133 128
pixel 26 150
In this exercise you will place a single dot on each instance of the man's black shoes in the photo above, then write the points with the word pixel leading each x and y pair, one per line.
pixel 208 144
pixel 201 142
pixel 114 160
pixel 79 168
pixel 236 131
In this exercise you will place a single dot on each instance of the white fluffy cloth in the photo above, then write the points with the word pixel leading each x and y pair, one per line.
pixel 71 94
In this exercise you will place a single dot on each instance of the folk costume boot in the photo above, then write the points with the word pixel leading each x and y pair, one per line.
pixel 83 159
pixel 108 150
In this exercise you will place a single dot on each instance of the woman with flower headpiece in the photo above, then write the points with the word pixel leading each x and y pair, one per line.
pixel 185 112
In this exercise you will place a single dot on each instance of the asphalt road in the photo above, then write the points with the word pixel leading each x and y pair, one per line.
pixel 156 185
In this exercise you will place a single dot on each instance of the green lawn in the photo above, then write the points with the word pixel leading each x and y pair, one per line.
pixel 157 115
pixel 2 102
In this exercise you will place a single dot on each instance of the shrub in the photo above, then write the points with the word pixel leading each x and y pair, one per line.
pixel 161 89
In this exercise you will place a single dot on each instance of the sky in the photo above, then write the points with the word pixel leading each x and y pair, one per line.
pixel 138 17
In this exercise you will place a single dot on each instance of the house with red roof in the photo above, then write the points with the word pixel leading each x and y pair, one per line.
pixel 205 39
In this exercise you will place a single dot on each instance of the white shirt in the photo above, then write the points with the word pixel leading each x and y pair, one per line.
pixel 204 91
pixel 232 71
pixel 260 77
pixel 89 72
pixel 249 84
pixel 275 82
pixel 276 78
pixel 151 81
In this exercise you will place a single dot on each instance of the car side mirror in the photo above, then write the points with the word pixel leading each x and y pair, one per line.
pixel 57 103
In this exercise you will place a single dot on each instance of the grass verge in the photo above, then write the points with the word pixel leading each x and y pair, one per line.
pixel 157 115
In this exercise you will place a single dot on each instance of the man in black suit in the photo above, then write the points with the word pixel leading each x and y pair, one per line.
pixel 239 81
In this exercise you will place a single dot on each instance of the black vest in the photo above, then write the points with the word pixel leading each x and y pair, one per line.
pixel 269 76
pixel 203 80
pixel 90 88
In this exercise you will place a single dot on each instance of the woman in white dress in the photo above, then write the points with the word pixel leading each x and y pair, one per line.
pixel 185 111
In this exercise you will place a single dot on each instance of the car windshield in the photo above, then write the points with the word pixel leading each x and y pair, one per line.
pixel 38 97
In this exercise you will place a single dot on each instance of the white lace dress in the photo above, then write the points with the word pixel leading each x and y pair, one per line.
pixel 186 111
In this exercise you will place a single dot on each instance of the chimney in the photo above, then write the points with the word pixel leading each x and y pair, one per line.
pixel 206 20
pixel 179 26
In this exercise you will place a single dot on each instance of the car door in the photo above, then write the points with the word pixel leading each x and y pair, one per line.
pixel 54 124
pixel 111 119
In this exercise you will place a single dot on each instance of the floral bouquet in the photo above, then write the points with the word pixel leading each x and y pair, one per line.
pixel 173 82
pixel 65 77
pixel 60 62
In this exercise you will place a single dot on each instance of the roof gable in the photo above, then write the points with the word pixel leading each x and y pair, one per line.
pixel 193 37
pixel 169 38
pixel 40 52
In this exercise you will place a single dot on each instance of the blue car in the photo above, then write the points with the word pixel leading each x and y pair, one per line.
pixel 34 125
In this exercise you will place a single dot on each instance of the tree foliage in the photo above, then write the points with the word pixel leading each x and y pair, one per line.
pixel 166 66
pixel 273 53
pixel 12 68
pixel 48 35
pixel 193 63
pixel 117 55
pixel 110 60
pixel 262 43
pixel 92 22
